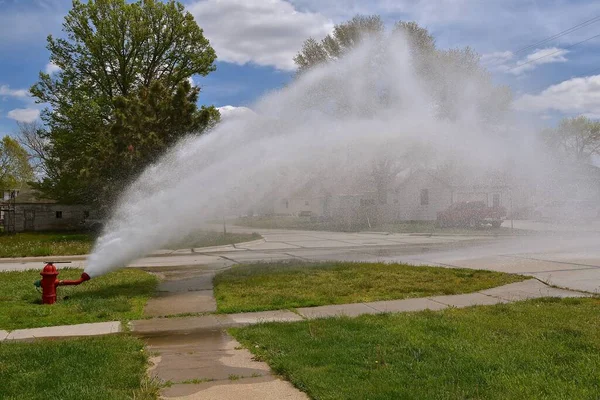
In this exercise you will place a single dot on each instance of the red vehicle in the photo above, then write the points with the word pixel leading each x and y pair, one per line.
pixel 472 214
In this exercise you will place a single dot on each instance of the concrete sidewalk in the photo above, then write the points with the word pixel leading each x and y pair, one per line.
pixel 529 289
pixel 63 331
pixel 524 290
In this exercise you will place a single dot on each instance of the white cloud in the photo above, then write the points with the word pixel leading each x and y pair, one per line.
pixel 484 25
pixel 503 60
pixel 52 68
pixel 264 32
pixel 24 114
pixel 230 112
pixel 573 96
pixel 5 90
pixel 496 59
pixel 538 57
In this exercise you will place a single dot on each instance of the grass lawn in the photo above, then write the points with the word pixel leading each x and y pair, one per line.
pixel 257 287
pixel 300 223
pixel 281 222
pixel 430 227
pixel 109 367
pixel 31 244
pixel 120 295
pixel 539 349
pixel 207 239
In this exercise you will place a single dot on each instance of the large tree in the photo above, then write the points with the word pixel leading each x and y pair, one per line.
pixel 576 139
pixel 122 95
pixel 15 170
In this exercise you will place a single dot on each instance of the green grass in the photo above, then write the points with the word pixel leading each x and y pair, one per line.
pixel 301 223
pixel 430 227
pixel 120 295
pixel 207 239
pixel 110 367
pixel 258 287
pixel 32 244
pixel 539 349
pixel 283 222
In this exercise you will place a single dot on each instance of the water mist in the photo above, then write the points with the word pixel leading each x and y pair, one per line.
pixel 327 128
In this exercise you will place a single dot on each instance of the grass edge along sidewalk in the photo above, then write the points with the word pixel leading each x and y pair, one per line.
pixel 543 348
pixel 288 285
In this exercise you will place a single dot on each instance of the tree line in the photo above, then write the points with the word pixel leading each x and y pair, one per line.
pixel 123 94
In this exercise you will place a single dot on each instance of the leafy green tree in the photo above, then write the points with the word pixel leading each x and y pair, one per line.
pixel 344 38
pixel 576 139
pixel 14 165
pixel 123 84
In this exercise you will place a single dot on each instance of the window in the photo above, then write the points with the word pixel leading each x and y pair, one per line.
pixel 496 200
pixel 367 202
pixel 287 204
pixel 59 214
pixel 86 214
pixel 306 203
pixel 424 197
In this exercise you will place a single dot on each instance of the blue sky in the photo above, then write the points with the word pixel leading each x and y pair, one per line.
pixel 256 40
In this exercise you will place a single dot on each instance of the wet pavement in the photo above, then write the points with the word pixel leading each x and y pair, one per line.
pixel 212 365
pixel 183 291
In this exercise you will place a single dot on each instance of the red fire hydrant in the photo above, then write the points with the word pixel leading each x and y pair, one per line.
pixel 49 282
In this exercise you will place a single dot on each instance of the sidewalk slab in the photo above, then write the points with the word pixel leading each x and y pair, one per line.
pixel 530 289
pixel 231 320
pixel 3 335
pixel 467 300
pixel 94 329
pixel 178 325
pixel 169 303
pixel 222 368
pixel 407 305
pixel 348 310
pixel 260 388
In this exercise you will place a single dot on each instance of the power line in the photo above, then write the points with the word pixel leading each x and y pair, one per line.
pixel 560 34
pixel 554 52
pixel 592 72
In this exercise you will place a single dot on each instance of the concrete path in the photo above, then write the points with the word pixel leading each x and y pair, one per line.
pixel 212 365
pixel 201 361
pixel 161 327
pixel 569 258
pixel 529 289
pixel 94 329
pixel 183 291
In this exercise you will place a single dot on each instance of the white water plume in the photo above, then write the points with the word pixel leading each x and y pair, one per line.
pixel 329 126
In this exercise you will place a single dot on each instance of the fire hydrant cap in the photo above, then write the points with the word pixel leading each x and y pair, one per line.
pixel 49 270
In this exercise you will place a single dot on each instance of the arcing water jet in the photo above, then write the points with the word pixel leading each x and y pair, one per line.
pixel 328 129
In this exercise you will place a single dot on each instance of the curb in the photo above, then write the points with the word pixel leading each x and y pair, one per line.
pixel 83 257
pixel 63 331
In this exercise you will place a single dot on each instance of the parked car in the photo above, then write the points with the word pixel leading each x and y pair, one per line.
pixel 471 214
pixel 567 210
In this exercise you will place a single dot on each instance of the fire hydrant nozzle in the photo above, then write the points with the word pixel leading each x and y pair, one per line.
pixel 49 282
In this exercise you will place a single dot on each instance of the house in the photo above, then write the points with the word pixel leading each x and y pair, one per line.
pixel 28 212
pixel 419 195
pixel 342 200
